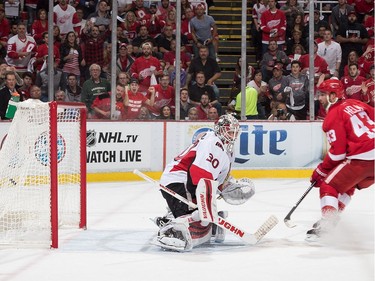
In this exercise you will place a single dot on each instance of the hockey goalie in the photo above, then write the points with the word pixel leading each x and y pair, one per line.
pixel 200 174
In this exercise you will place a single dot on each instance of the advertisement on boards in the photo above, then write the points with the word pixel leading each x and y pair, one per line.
pixel 263 144
pixel 119 146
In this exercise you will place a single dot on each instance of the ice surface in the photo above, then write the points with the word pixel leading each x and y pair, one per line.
pixel 116 244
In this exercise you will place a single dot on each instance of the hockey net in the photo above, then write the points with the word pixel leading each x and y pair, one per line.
pixel 43 173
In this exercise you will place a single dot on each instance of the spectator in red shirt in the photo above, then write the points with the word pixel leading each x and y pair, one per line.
pixel 203 107
pixel 353 58
pixel 170 58
pixel 353 83
pixel 164 95
pixel 145 66
pixel 4 28
pixel 42 54
pixel 320 65
pixel 40 26
pixel 368 88
pixel 134 100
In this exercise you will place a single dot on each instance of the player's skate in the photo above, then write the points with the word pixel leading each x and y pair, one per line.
pixel 321 228
pixel 218 232
pixel 174 236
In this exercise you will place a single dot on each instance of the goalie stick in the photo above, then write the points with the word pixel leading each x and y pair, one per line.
pixel 248 238
pixel 287 221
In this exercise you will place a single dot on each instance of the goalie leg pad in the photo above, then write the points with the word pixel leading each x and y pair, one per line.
pixel 206 200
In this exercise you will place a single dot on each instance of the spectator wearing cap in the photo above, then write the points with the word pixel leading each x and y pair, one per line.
pixel 143 36
pixel 134 100
pixel 352 36
pixel 124 61
pixel 277 84
pixel 202 28
pixel 270 58
pixel 93 87
pixel 145 66
pixel 154 23
pixel 339 15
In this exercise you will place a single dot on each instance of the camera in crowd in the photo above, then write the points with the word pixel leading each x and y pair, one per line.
pixel 280 112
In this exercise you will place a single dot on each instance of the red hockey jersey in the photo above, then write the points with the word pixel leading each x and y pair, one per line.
pixel 350 130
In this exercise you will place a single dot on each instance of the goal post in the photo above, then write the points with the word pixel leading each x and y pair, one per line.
pixel 43 173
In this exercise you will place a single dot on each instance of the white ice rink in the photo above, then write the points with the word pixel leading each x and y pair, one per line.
pixel 116 247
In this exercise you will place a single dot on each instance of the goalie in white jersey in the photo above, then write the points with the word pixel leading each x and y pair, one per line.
pixel 201 171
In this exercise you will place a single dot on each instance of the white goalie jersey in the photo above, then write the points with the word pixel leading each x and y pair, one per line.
pixel 205 158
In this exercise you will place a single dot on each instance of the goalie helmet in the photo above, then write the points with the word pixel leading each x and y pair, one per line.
pixel 227 129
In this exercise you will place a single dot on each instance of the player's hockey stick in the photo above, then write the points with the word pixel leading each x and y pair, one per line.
pixel 287 218
pixel 249 238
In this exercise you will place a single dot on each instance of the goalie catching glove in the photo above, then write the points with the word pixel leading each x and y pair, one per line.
pixel 237 192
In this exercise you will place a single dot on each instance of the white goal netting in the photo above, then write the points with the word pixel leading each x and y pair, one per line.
pixel 26 167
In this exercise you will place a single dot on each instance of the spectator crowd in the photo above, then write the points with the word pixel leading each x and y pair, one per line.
pixel 277 88
pixel 343 48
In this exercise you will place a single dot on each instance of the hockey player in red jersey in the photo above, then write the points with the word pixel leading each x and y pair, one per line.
pixel 349 163
pixel 204 164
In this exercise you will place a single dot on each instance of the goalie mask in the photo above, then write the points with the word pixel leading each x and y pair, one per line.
pixel 227 129
pixel 332 85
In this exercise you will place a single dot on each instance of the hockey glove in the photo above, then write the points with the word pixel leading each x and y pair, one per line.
pixel 236 193
pixel 319 175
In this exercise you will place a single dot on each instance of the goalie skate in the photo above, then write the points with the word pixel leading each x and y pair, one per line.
pixel 175 236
